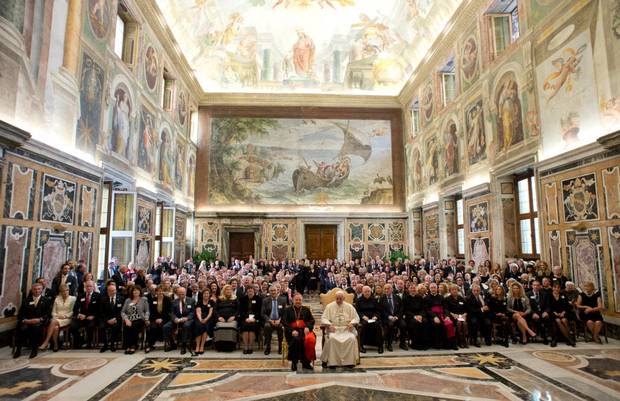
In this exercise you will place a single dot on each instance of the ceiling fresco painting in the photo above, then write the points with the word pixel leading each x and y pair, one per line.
pixel 305 46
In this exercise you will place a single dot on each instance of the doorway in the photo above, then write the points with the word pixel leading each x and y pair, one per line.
pixel 321 242
pixel 241 245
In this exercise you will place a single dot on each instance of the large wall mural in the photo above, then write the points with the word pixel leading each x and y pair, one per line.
pixel 305 45
pixel 296 161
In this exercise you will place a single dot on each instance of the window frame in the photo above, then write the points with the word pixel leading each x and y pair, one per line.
pixel 514 35
pixel 532 215
pixel 457 226
pixel 105 230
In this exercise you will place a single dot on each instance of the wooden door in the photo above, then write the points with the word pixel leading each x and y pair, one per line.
pixel 321 242
pixel 241 245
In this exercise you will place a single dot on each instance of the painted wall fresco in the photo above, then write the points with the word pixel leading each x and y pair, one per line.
pixel 284 46
pixel 147 142
pixel 88 130
pixel 470 61
pixel 121 127
pixel 430 221
pixel 478 228
pixel 475 133
pixel 509 123
pixel 294 161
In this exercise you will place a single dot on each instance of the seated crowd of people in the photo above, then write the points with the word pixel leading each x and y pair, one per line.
pixel 417 304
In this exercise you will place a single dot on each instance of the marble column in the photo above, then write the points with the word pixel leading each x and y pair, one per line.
pixel 72 36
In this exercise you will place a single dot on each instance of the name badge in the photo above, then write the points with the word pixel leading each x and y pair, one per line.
pixel 279 306
pixel 82 299
pixel 154 302
pixel 68 283
pixel 533 297
pixel 189 307
pixel 253 301
pixel 460 303
pixel 31 303
pixel 118 305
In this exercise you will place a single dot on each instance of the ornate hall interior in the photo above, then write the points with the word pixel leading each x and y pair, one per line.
pixel 152 151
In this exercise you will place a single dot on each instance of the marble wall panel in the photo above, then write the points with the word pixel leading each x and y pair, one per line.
pixel 13 267
pixel 20 192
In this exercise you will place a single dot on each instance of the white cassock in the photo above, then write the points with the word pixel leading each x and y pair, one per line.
pixel 340 348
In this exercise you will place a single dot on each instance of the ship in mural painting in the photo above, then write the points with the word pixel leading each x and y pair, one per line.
pixel 332 175
pixel 297 161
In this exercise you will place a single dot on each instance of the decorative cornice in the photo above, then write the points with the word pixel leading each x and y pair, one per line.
pixel 294 99
pixel 610 141
pixel 10 135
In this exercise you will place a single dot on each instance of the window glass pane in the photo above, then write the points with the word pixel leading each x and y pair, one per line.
pixel 121 249
pixel 194 123
pixel 168 223
pixel 157 248
pixel 515 24
pixel 123 212
pixel 526 236
pixel 101 262
pixel 158 221
pixel 459 212
pixel 460 238
pixel 537 236
pixel 524 196
pixel 449 87
pixel 534 196
pixel 105 196
pixel 120 37
pixel 416 121
pixel 501 25
pixel 166 248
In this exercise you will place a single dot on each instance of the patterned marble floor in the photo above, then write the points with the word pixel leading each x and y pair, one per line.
pixel 532 372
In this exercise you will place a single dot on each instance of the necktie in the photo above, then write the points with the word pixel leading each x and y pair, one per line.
pixel 181 307
pixel 391 304
pixel 481 300
pixel 111 300
pixel 87 300
pixel 36 301
pixel 274 309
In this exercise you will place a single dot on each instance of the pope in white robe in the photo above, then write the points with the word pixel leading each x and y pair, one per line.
pixel 340 348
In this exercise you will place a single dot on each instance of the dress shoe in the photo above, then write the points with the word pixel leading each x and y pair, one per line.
pixel 17 353
pixel 506 344
pixel 33 353
pixel 250 351
pixel 477 344
pixel 192 353
pixel 554 343
pixel 126 352
pixel 167 347
pixel 279 351
pixel 362 349
pixel 380 350
pixel 294 366
pixel 103 349
pixel 183 350
pixel 403 346
pixel 389 348
pixel 113 348
pixel 267 351
pixel 324 365
pixel 488 342
pixel 307 366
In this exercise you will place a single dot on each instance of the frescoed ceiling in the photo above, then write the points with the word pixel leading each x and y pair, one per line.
pixel 305 46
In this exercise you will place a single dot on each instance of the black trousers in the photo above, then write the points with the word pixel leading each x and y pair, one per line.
pixel 154 332
pixel 89 325
pixel 392 327
pixel 268 330
pixel 371 333
pixel 31 333
pixel 132 333
pixel 418 332
pixel 185 328
pixel 479 324
pixel 111 332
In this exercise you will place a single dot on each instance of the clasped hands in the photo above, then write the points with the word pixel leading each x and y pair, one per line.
pixel 295 333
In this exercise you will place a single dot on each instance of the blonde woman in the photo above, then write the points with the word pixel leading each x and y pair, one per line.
pixel 589 303
pixel 62 314
pixel 519 308
pixel 226 313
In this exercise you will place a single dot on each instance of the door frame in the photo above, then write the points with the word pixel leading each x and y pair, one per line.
pixel 339 223
pixel 255 228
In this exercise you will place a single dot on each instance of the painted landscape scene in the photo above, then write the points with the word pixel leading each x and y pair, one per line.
pixel 300 161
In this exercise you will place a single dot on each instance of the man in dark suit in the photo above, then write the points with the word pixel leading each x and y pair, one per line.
pixel 391 307
pixel 479 317
pixel 182 318
pixel 110 306
pixel 539 304
pixel 63 277
pixel 84 315
pixel 120 279
pixel 370 320
pixel 271 311
pixel 32 318
pixel 45 292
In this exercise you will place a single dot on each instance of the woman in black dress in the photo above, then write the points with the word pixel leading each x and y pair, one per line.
pixel 226 311
pixel 589 303
pixel 560 311
pixel 499 313
pixel 249 316
pixel 203 321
